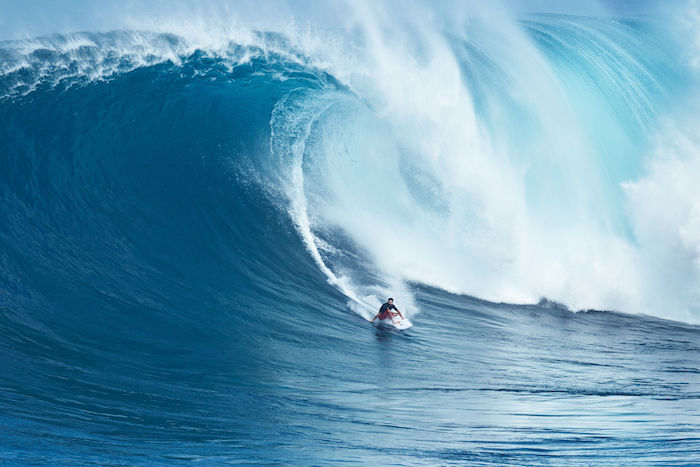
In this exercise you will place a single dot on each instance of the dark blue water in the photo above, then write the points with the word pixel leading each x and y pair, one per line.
pixel 160 301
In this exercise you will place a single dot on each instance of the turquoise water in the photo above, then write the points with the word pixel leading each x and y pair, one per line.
pixel 192 239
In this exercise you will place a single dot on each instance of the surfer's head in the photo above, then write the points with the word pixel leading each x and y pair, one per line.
pixel 390 301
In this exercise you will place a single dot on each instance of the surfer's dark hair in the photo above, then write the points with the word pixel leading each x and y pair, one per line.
pixel 389 299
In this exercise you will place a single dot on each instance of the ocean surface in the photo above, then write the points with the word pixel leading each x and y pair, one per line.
pixel 194 234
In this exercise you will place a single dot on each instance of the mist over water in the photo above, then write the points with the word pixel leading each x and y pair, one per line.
pixel 201 206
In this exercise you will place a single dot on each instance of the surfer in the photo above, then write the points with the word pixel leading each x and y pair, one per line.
pixel 385 311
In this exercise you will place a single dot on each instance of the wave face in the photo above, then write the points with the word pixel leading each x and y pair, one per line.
pixel 192 236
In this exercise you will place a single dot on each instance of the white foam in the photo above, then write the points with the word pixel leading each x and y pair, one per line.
pixel 478 229
pixel 664 206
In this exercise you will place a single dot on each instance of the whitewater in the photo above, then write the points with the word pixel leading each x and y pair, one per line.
pixel 202 207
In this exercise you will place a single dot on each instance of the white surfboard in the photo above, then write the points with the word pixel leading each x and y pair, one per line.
pixel 397 322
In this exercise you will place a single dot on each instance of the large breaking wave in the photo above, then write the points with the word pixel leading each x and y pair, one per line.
pixel 540 158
